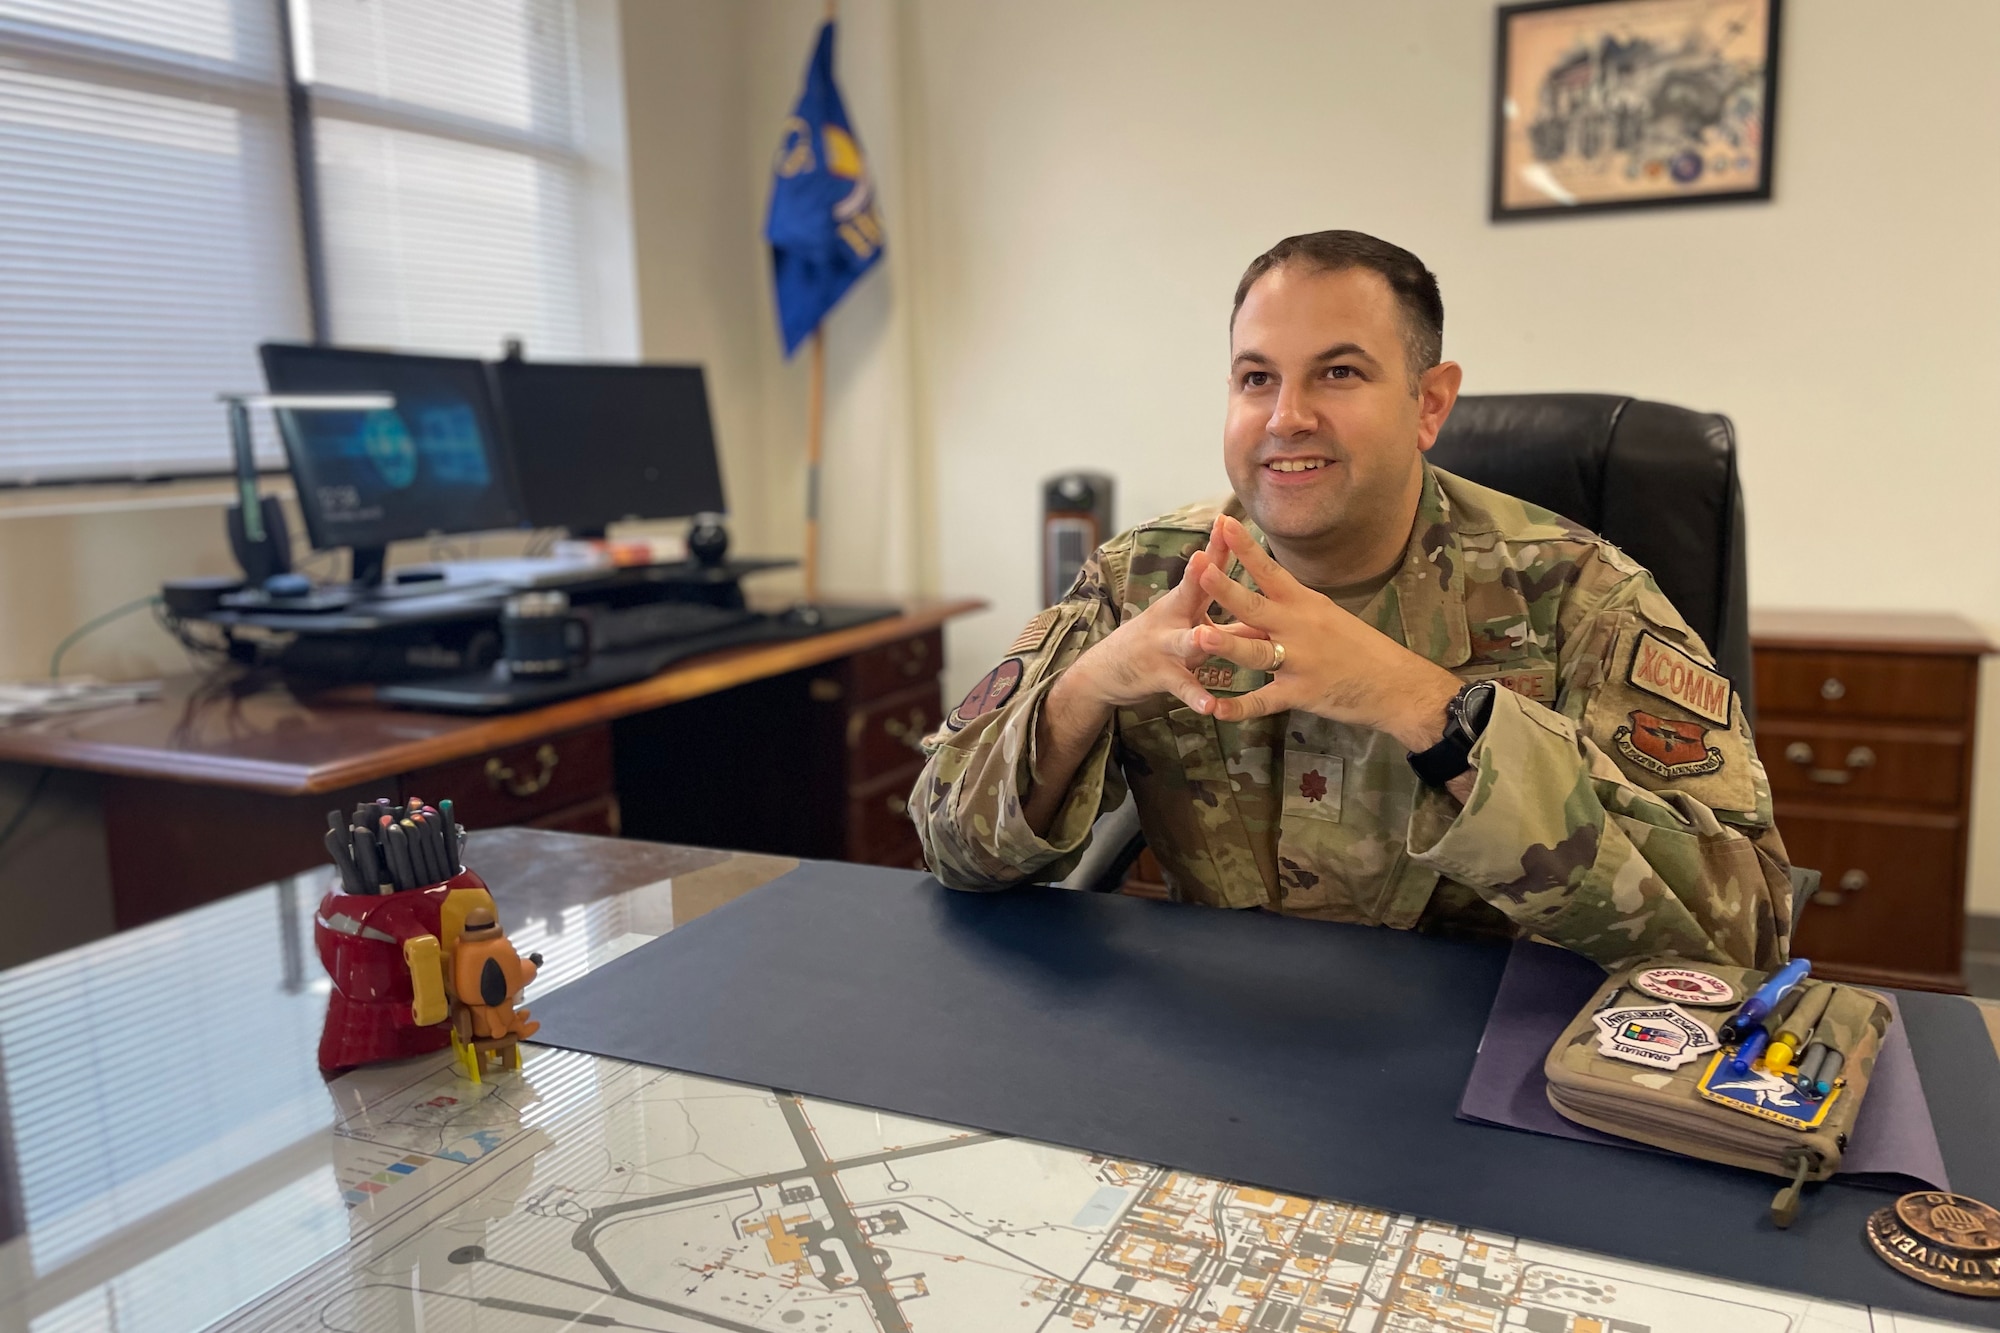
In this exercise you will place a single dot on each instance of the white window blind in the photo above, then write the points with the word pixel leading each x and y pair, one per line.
pixel 149 234
pixel 453 173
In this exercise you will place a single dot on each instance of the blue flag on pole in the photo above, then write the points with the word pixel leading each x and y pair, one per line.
pixel 824 229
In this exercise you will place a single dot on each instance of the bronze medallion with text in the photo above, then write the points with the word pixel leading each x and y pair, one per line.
pixel 1948 1240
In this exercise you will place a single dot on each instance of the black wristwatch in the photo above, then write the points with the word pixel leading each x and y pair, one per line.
pixel 1464 719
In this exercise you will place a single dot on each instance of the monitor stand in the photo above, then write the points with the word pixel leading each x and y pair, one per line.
pixel 365 567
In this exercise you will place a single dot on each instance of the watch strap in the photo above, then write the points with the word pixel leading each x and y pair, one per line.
pixel 1452 755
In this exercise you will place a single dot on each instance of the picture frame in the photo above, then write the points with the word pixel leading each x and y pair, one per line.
pixel 1602 105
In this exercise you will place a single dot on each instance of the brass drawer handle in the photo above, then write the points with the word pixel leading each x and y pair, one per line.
pixel 914 664
pixel 1858 757
pixel 1831 688
pixel 502 778
pixel 1852 881
pixel 910 733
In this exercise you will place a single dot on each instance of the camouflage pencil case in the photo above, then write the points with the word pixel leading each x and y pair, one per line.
pixel 1643 1061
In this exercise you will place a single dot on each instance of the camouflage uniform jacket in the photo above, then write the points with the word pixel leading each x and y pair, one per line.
pixel 1618 808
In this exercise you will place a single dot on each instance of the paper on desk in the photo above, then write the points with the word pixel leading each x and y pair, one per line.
pixel 25 700
pixel 1541 991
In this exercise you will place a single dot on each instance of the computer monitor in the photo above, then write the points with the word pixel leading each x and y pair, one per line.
pixel 431 464
pixel 593 444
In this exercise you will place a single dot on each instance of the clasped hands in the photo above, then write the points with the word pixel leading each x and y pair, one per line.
pixel 1335 666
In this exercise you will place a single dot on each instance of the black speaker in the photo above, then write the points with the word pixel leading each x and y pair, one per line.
pixel 1076 519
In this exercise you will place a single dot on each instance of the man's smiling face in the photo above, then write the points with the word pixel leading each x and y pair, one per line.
pixel 1323 436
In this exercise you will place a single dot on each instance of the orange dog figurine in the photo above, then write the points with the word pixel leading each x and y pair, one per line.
pixel 487 977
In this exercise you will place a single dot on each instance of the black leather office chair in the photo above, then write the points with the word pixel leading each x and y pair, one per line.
pixel 1658 480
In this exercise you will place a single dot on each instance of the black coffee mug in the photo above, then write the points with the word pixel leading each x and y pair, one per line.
pixel 541 638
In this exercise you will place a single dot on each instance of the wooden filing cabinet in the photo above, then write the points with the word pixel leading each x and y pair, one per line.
pixel 817 762
pixel 1865 723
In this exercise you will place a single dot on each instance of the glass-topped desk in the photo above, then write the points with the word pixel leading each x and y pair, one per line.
pixel 174 1161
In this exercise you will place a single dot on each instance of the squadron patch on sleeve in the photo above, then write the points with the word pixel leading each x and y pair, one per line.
pixel 1664 671
pixel 995 688
pixel 1667 747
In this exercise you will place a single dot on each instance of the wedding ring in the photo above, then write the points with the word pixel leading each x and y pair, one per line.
pixel 1277 654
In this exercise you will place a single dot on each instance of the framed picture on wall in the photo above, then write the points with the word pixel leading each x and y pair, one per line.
pixel 1602 104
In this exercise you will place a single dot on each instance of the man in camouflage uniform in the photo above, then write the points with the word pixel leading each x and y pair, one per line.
pixel 1266 675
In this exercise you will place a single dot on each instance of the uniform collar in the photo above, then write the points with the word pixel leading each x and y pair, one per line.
pixel 1428 587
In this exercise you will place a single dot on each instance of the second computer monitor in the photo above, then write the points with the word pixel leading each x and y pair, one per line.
pixel 594 444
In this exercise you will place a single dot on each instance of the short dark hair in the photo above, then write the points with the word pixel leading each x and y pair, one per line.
pixel 1415 286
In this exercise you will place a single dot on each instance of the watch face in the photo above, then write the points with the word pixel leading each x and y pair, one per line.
pixel 1478 706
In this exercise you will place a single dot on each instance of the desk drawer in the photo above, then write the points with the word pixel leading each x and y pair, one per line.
pixel 1891 686
pixel 521 782
pixel 888 734
pixel 1889 896
pixel 1820 761
pixel 879 830
pixel 894 666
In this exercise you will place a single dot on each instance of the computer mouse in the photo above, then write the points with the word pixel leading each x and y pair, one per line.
pixel 288 585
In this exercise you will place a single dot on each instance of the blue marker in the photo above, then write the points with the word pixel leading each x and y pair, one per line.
pixel 1759 1005
pixel 1746 1054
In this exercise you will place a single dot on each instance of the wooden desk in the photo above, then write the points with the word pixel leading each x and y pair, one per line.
pixel 1865 723
pixel 226 1184
pixel 224 783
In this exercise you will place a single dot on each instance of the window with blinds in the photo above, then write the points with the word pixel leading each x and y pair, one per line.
pixel 150 232
pixel 452 172
pixel 149 235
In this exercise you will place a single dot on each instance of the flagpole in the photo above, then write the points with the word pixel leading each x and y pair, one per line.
pixel 815 429
pixel 815 436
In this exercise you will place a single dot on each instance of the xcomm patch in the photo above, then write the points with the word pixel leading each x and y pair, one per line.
pixel 1665 671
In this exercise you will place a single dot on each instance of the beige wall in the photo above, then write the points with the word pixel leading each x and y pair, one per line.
pixel 1073 186
pixel 709 84
pixel 1071 190
pixel 1096 181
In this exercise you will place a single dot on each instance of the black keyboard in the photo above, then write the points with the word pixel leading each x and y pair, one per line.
pixel 494 691
pixel 615 630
